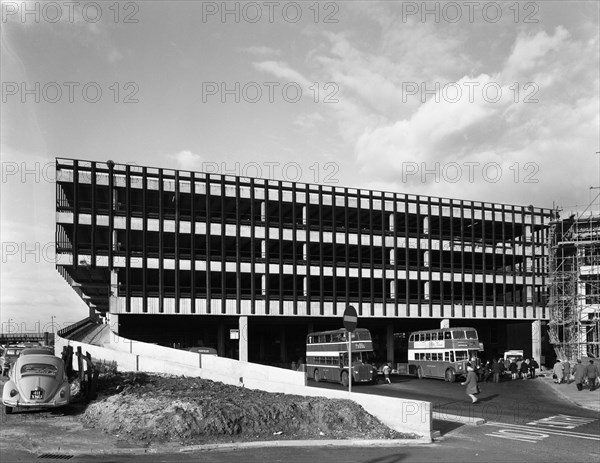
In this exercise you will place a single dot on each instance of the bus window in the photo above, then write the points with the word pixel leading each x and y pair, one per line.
pixel 427 336
pixel 462 355
pixel 447 335
pixel 412 338
pixel 471 334
pixel 428 356
pixel 458 335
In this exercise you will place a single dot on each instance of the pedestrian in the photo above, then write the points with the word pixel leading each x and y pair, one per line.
pixel 486 372
pixel 579 374
pixel 497 369
pixel 558 372
pixel 524 369
pixel 471 383
pixel 513 369
pixel 592 373
pixel 386 373
pixel 566 371
pixel 532 366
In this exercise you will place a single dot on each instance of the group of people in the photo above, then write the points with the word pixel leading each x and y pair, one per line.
pixel 564 372
pixel 518 368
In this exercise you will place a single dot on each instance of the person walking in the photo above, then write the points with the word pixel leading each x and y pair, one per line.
pixel 592 373
pixel 514 371
pixel 497 369
pixel 579 374
pixel 532 366
pixel 524 369
pixel 471 383
pixel 386 373
pixel 566 371
pixel 558 371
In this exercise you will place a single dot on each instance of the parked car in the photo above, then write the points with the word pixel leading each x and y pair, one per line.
pixel 37 379
pixel 10 354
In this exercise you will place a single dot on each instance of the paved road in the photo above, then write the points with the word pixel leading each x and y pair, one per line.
pixel 520 416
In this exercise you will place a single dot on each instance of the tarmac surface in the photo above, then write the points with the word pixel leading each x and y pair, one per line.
pixel 568 391
pixel 68 439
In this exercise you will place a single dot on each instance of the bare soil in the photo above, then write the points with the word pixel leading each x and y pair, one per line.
pixel 152 409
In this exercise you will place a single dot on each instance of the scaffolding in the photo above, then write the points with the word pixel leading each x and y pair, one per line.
pixel 574 285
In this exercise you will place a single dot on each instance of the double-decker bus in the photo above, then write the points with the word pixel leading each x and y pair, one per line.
pixel 443 353
pixel 327 356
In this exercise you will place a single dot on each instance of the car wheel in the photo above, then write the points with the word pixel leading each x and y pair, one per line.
pixel 420 373
pixel 344 379
pixel 450 376
pixel 317 376
pixel 8 409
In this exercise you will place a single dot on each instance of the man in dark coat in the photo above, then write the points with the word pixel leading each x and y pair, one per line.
pixel 497 368
pixel 532 366
pixel 579 374
pixel 592 373
pixel 524 369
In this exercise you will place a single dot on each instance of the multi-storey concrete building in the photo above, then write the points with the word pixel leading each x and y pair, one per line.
pixel 199 259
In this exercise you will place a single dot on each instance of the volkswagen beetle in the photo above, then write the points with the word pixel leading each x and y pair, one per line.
pixel 36 379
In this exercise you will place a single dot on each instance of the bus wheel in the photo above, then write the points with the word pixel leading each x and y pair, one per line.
pixel 450 376
pixel 344 378
pixel 317 376
pixel 420 373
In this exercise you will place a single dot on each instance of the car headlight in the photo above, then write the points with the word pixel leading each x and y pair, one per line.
pixel 13 392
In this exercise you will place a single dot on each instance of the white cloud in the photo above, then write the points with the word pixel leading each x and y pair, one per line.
pixel 283 70
pixel 186 160
pixel 531 51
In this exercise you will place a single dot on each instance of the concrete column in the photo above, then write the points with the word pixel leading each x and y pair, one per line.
pixel 390 344
pixel 243 326
pixel 113 302
pixel 536 341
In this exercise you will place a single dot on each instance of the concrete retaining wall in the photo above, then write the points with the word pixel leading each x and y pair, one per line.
pixel 408 416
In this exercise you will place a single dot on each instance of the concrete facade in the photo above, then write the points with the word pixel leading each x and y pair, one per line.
pixel 249 266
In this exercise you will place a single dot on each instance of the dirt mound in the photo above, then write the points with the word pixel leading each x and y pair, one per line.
pixel 193 410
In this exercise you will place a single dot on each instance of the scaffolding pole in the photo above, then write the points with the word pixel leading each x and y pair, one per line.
pixel 574 286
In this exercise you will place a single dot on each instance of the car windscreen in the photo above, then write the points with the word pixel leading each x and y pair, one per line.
pixel 12 352
pixel 44 369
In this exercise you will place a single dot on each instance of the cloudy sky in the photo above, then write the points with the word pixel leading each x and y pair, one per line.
pixel 489 101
